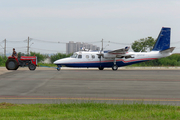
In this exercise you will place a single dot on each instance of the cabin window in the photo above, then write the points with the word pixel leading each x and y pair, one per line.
pixel 87 56
pixel 79 56
pixel 93 56
pixel 74 55
pixel 127 57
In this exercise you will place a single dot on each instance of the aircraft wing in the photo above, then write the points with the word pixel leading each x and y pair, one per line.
pixel 119 51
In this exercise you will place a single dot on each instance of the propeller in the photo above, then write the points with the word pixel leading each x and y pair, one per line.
pixel 101 54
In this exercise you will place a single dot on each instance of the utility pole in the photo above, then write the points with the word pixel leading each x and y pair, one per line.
pixel 102 45
pixel 28 47
pixel 4 47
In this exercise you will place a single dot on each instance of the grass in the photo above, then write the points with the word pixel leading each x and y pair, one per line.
pixel 92 111
pixel 47 65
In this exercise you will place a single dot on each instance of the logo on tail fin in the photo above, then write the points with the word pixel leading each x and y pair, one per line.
pixel 163 40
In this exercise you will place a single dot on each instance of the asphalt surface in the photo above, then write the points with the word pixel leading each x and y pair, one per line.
pixel 82 85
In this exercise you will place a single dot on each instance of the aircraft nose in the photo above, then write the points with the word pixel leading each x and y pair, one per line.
pixel 61 61
pixel 55 62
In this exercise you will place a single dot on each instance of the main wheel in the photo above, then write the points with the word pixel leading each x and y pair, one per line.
pixel 12 64
pixel 114 67
pixel 32 67
pixel 101 68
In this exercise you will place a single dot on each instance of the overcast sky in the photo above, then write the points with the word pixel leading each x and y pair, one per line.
pixel 122 21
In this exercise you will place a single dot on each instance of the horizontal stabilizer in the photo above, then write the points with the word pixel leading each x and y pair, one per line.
pixel 168 50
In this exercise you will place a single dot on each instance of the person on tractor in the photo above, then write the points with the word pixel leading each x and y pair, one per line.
pixel 14 54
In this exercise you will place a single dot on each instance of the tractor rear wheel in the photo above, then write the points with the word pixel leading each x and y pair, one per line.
pixel 12 64
pixel 17 67
pixel 32 67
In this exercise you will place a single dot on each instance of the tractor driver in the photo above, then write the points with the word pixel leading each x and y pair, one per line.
pixel 14 54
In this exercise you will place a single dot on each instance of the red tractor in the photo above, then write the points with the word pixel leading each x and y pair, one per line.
pixel 13 63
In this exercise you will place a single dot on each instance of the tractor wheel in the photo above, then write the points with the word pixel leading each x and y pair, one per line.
pixel 12 64
pixel 17 67
pixel 32 67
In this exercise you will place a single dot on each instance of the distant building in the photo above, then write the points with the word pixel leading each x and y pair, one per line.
pixel 72 47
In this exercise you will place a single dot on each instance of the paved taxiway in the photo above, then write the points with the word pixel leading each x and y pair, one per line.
pixel 76 85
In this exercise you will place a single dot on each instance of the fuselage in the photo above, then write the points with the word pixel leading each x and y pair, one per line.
pixel 91 59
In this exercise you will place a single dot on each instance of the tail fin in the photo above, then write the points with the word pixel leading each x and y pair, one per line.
pixel 163 40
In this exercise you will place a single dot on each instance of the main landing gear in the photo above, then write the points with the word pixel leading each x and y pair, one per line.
pixel 101 68
pixel 114 67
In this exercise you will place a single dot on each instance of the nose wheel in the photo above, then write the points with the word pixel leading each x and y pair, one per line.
pixel 58 68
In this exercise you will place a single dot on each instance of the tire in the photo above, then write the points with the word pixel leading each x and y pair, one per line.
pixel 12 64
pixel 101 68
pixel 32 67
pixel 58 68
pixel 114 67
pixel 17 67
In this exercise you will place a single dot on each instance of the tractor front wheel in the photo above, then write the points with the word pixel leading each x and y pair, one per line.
pixel 32 67
pixel 12 64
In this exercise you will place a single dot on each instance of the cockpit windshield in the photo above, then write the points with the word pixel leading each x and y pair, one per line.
pixel 74 55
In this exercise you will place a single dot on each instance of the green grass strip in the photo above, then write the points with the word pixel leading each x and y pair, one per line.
pixel 47 65
pixel 88 111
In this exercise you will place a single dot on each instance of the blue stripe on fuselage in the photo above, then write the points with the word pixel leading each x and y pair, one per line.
pixel 106 64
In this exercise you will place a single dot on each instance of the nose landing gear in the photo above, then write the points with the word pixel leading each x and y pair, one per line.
pixel 58 67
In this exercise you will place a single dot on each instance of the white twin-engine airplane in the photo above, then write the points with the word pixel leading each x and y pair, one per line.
pixel 120 57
